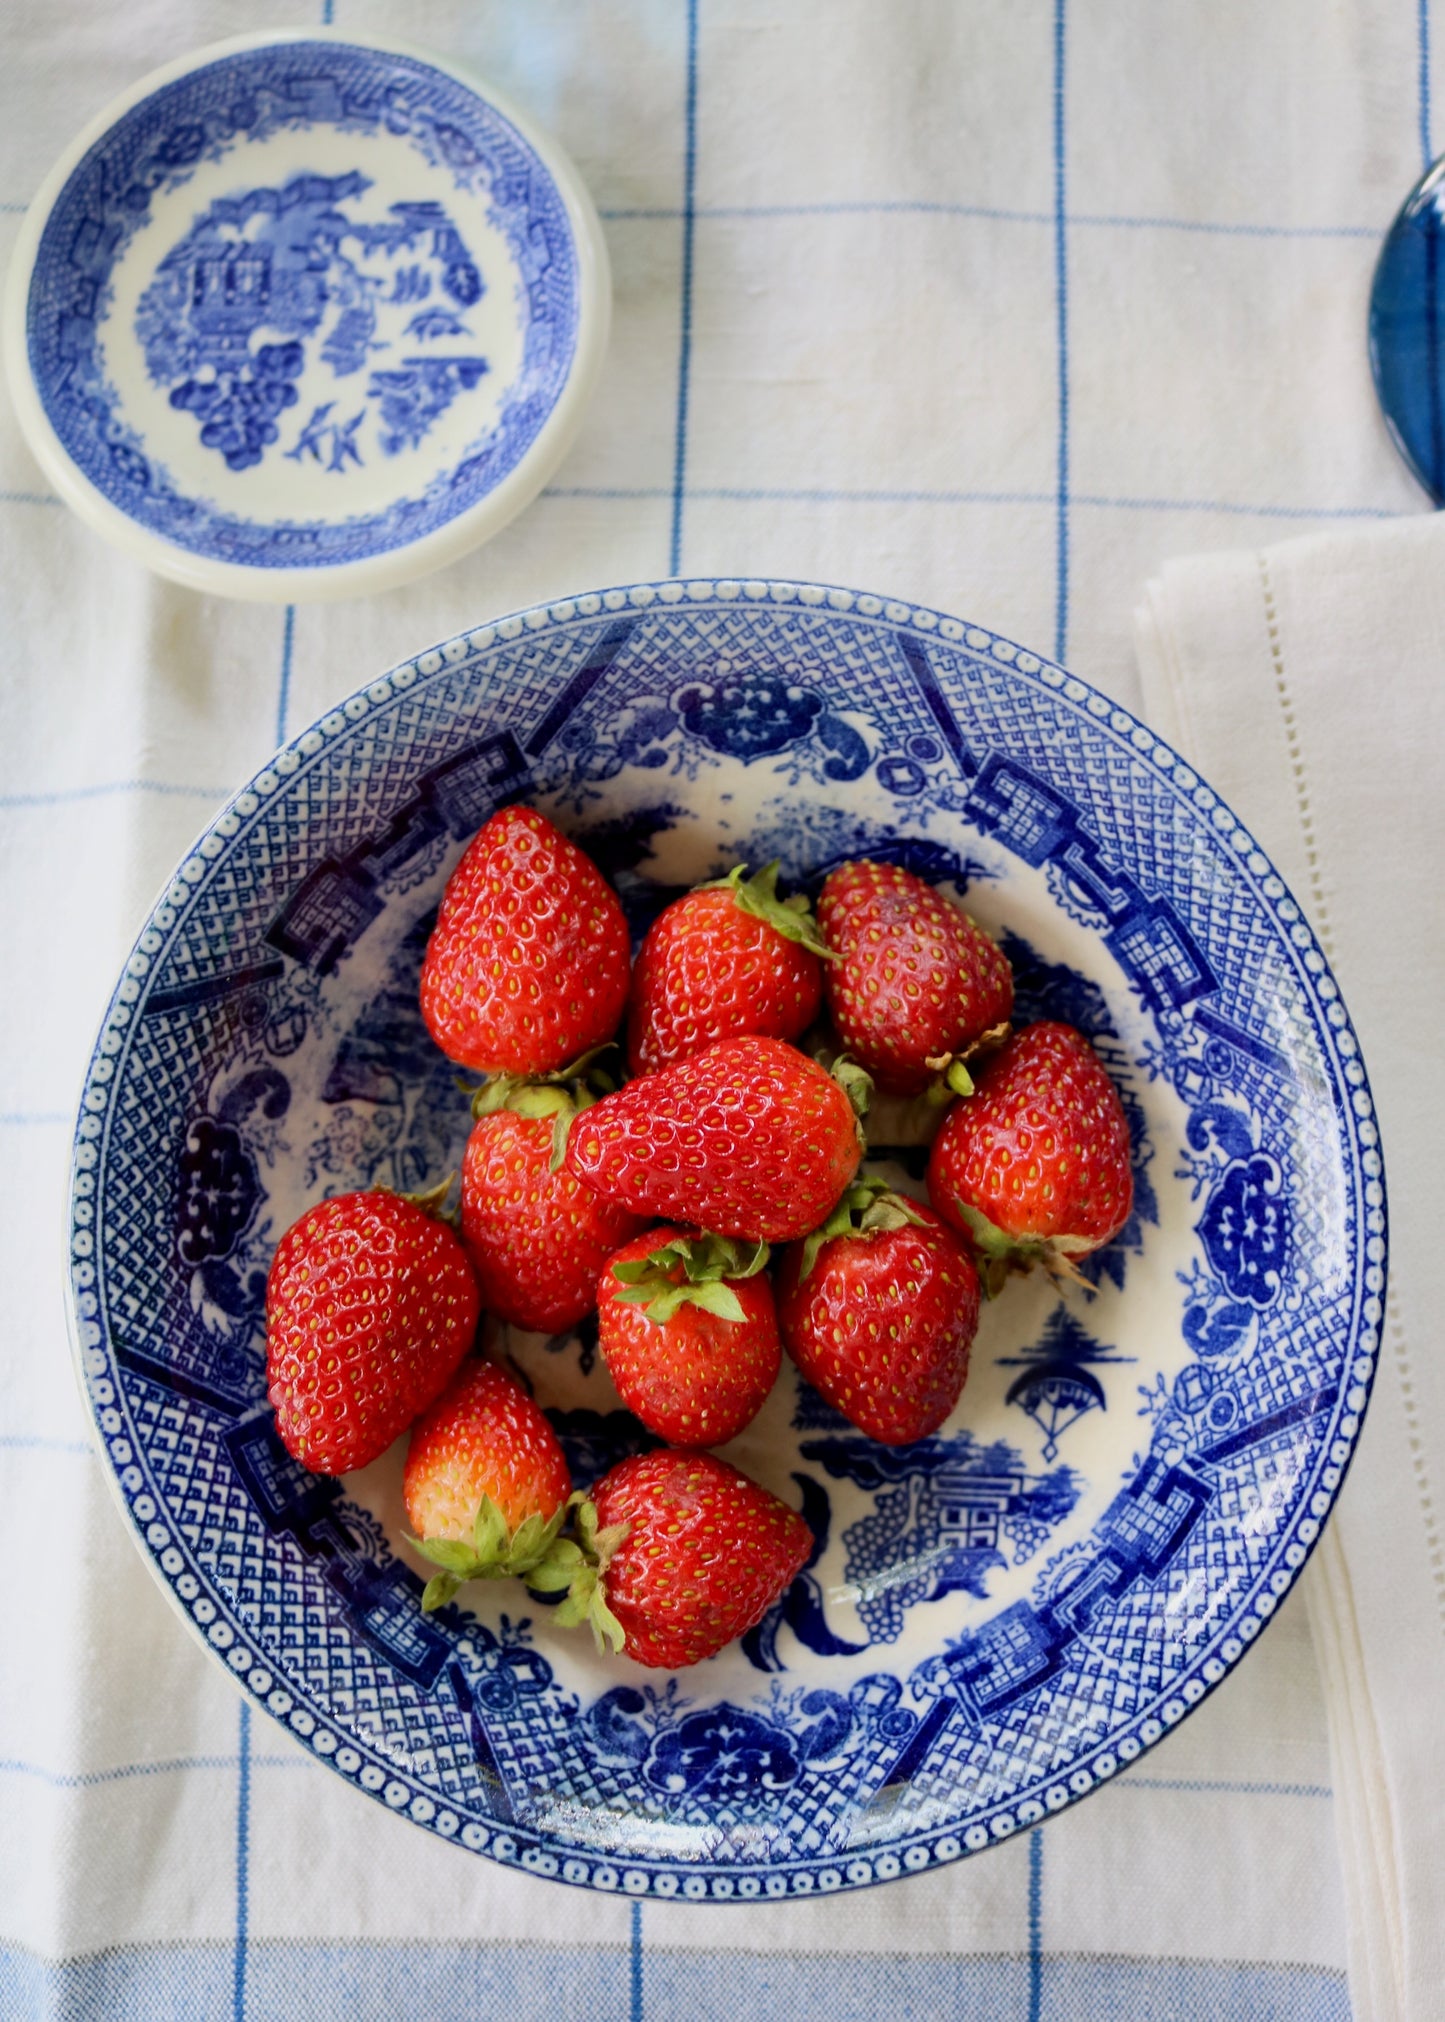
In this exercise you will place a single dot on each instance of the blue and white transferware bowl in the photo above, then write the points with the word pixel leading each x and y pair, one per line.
pixel 996 1619
pixel 304 316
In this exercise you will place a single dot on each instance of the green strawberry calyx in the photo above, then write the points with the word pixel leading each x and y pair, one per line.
pixel 998 1254
pixel 951 1075
pixel 577 1568
pixel 561 1096
pixel 857 1084
pixel 431 1200
pixel 758 897
pixel 706 1262
pixel 495 1551
pixel 866 1208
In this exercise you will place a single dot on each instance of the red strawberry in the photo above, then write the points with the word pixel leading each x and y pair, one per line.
pixel 536 1236
pixel 1034 1165
pixel 681 1553
pixel 914 982
pixel 689 1333
pixel 486 1484
pixel 730 958
pixel 749 1138
pixel 527 964
pixel 878 1309
pixel 370 1306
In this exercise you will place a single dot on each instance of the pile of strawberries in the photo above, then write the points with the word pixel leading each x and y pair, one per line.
pixel 659 1200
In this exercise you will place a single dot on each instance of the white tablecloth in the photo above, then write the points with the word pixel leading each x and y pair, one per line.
pixel 993 304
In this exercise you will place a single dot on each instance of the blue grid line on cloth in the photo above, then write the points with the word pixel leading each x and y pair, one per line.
pixel 863 207
pixel 684 348
pixel 1423 17
pixel 283 693
pixel 243 1864
pixel 1226 1786
pixel 1095 501
pixel 634 1967
pixel 1061 300
pixel 39 1442
pixel 40 498
pixel 24 1119
pixel 54 796
pixel 90 1779
pixel 1036 1923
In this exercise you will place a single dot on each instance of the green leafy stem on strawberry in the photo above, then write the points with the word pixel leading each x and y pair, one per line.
pixel 705 1261
pixel 562 1096
pixel 542 1554
pixel 999 1255
pixel 758 896
pixel 866 1207
pixel 950 1069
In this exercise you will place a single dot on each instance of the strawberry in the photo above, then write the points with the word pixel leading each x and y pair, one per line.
pixel 1034 1166
pixel 914 982
pixel 689 1333
pixel 878 1309
pixel 486 1485
pixel 729 958
pixel 748 1138
pixel 527 965
pixel 537 1237
pixel 679 1554
pixel 370 1306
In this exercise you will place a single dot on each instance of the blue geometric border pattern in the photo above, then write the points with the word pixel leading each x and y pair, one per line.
pixel 1059 1690
pixel 156 146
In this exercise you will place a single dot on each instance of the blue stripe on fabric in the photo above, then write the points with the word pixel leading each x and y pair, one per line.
pixel 377 1982
pixel 684 353
pixel 283 696
pixel 243 1868
pixel 28 497
pixel 24 1119
pixel 1061 301
pixel 1093 501
pixel 988 213
pixel 90 1779
pixel 57 796
pixel 37 1442
pixel 1036 1923
pixel 634 2011
pixel 1426 151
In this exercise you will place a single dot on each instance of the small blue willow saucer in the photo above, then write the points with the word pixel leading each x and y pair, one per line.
pixel 300 316
pixel 1407 324
pixel 995 1620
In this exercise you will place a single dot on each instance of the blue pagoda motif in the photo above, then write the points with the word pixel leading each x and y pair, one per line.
pixel 1058 1386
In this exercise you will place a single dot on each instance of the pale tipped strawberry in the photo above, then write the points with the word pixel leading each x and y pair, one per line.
pixel 1034 1166
pixel 878 1309
pixel 728 959
pixel 537 1236
pixel 486 1485
pixel 679 1554
pixel 689 1333
pixel 527 966
pixel 749 1138
pixel 370 1306
pixel 914 985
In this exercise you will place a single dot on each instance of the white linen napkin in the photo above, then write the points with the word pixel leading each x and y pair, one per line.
pixel 1307 681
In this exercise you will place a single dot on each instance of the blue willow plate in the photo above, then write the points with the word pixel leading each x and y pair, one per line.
pixel 996 1619
pixel 304 316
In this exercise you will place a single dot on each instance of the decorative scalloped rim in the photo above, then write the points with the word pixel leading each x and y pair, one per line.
pixel 538 1853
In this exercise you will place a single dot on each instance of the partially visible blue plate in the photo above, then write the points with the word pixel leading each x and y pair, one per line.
pixel 1407 328
pixel 997 1619
pixel 302 316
